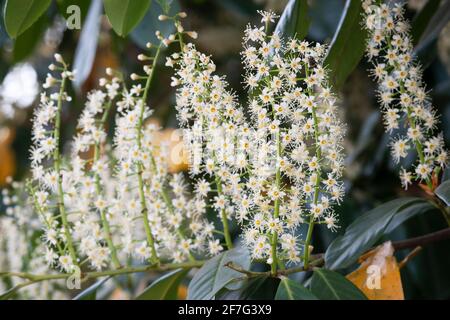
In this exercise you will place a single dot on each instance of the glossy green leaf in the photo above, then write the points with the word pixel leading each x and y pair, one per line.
pixel 256 288
pixel 291 290
pixel 443 192
pixel 422 19
pixel 348 44
pixel 164 288
pixel 27 41
pixel 366 230
pixel 10 293
pixel 145 30
pixel 407 213
pixel 19 15
pixel 330 285
pixel 124 15
pixel 91 292
pixel 87 44
pixel 214 275
pixel 294 20
pixel 435 25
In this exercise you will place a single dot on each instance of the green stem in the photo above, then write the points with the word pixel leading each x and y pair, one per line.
pixel 316 191
pixel 276 211
pixel 41 213
pixel 148 232
pixel 223 216
pixel 34 278
pixel 417 143
pixel 57 168
pixel 98 188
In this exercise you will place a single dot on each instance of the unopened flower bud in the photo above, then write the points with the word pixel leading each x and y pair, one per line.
pixel 162 17
pixel 109 71
pixel 192 34
pixel 182 14
pixel 147 70
pixel 148 45
pixel 142 57
pixel 134 77
pixel 59 58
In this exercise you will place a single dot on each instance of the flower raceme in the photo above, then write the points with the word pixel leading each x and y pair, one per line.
pixel 279 166
pixel 106 203
pixel 271 166
pixel 407 109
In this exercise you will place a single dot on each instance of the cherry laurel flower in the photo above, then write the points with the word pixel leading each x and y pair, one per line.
pixel 402 94
pixel 282 165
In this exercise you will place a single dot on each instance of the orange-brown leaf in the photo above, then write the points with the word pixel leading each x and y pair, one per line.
pixel 378 275
pixel 7 158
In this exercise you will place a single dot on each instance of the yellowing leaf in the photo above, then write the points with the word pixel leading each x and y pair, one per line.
pixel 378 276
pixel 7 159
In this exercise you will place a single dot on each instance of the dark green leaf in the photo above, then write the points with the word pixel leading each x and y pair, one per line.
pixel 11 292
pixel 407 213
pixel 214 275
pixel 443 192
pixel 164 288
pixel 238 7
pixel 330 285
pixel 257 288
pixel 434 27
pixel 365 231
pixel 27 41
pixel 91 292
pixel 87 45
pixel 19 15
pixel 422 19
pixel 294 21
pixel 446 174
pixel 124 15
pixel 348 44
pixel 291 290
pixel 365 137
pixel 145 31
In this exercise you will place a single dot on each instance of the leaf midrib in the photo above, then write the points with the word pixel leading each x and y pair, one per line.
pixel 171 283
pixel 24 17
pixel 328 284
pixel 288 290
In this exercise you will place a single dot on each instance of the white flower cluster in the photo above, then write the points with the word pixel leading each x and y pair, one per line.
pixel 174 221
pixel 402 94
pixel 49 176
pixel 91 182
pixel 20 247
pixel 106 203
pixel 280 168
